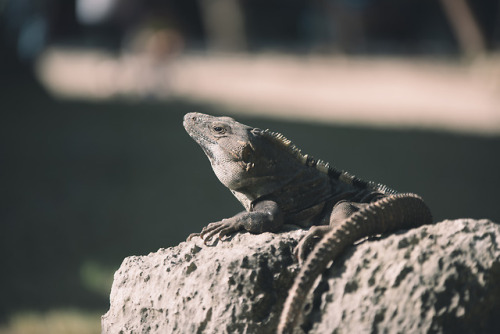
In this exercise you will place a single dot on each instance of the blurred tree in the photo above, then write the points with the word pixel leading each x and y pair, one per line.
pixel 465 27
pixel 348 19
pixel 224 25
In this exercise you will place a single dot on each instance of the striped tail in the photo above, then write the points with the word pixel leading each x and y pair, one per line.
pixel 391 213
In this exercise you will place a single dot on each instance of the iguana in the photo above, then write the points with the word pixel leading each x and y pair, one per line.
pixel 278 184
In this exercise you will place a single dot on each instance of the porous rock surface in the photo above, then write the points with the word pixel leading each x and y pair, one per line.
pixel 236 286
pixel 442 278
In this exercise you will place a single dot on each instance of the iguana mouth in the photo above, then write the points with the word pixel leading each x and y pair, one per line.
pixel 192 125
pixel 199 137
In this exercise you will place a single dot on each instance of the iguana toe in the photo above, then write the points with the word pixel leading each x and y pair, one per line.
pixel 306 245
pixel 222 228
pixel 192 235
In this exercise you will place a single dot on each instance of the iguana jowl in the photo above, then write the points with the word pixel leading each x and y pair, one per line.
pixel 278 184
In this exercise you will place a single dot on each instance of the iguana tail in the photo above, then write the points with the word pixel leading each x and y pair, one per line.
pixel 391 213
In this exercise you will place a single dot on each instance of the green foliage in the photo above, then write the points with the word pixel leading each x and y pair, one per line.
pixel 97 277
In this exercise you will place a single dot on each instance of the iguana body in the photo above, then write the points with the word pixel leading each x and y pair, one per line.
pixel 277 184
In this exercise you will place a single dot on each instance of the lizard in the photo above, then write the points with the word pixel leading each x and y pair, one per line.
pixel 276 184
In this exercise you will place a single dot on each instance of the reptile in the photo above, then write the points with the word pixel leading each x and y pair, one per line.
pixel 276 184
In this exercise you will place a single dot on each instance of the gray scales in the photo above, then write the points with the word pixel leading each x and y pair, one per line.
pixel 277 184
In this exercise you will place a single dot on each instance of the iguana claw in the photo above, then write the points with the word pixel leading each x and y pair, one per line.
pixel 192 235
pixel 222 228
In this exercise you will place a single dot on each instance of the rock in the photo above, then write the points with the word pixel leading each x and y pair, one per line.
pixel 237 286
pixel 441 278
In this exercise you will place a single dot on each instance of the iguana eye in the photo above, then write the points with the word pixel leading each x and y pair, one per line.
pixel 219 129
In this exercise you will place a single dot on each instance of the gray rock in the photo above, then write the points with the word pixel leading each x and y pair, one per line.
pixel 441 278
pixel 237 286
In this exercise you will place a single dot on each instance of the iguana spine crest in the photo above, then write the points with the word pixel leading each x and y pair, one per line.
pixel 324 167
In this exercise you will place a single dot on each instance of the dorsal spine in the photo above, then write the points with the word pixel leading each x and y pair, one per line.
pixel 322 166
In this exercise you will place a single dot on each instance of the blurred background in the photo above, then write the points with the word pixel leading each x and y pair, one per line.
pixel 96 166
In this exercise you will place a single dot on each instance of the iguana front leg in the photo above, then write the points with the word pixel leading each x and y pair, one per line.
pixel 265 216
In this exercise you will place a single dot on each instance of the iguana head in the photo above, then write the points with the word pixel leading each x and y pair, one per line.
pixel 225 142
pixel 242 157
